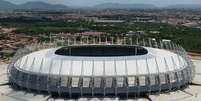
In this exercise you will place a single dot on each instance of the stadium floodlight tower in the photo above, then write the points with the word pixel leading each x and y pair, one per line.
pixel 102 67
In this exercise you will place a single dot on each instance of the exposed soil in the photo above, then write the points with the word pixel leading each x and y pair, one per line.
pixel 195 56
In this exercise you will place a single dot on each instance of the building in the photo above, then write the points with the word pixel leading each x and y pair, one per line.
pixel 131 69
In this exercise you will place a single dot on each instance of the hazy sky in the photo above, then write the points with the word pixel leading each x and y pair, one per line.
pixel 94 2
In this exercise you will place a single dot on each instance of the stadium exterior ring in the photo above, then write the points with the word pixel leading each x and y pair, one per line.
pixel 119 69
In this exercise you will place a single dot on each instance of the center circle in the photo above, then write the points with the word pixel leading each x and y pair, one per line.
pixel 101 50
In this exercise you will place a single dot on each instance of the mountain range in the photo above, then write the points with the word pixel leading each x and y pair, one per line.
pixel 37 5
pixel 5 5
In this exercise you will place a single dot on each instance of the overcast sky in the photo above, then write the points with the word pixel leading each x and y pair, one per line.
pixel 94 2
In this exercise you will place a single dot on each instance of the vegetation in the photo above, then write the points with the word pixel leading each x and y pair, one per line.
pixel 189 38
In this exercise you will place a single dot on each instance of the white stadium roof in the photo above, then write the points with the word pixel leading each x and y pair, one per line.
pixel 155 62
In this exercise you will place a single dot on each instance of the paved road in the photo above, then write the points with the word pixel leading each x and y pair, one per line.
pixel 192 93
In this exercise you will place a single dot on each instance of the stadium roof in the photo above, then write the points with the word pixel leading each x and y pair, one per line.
pixel 155 62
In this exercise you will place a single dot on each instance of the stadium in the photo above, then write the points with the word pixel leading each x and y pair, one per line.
pixel 128 67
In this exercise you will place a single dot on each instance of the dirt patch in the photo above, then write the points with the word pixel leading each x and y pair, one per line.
pixel 195 56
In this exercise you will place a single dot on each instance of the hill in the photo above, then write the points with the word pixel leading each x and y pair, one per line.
pixel 42 6
pixel 37 5
pixel 5 5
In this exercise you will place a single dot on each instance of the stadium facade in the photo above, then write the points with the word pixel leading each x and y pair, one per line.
pixel 129 67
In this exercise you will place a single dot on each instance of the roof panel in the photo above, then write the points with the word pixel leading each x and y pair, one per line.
pixel 77 67
pixel 109 68
pixel 152 66
pixel 176 61
pixel 37 64
pixel 98 68
pixel 170 63
pixel 121 67
pixel 142 66
pixel 56 65
pixel 66 67
pixel 183 62
pixel 161 65
pixel 46 65
pixel 87 68
pixel 29 66
pixel 131 67
pixel 21 62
